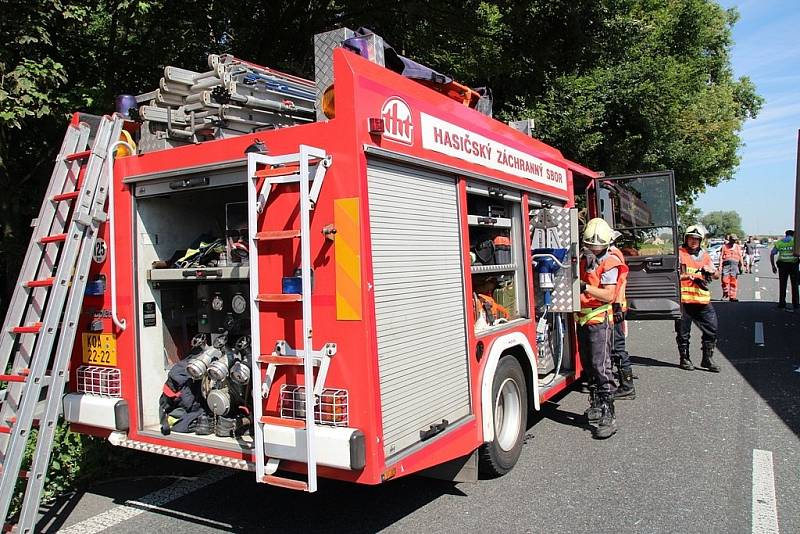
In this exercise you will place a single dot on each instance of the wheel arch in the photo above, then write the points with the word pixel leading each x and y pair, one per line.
pixel 516 345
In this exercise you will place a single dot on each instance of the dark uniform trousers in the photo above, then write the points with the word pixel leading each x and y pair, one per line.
pixel 704 316
pixel 787 270
pixel 619 353
pixel 594 342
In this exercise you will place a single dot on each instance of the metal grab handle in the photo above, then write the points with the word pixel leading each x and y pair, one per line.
pixel 120 323
pixel 535 256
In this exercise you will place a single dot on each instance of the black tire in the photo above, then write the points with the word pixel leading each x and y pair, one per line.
pixel 499 456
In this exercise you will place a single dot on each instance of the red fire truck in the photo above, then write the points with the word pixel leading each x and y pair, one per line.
pixel 383 291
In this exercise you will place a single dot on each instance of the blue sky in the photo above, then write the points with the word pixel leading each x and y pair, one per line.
pixel 767 49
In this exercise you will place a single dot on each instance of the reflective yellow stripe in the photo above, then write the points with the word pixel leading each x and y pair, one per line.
pixel 695 290
pixel 347 258
pixel 695 295
pixel 587 314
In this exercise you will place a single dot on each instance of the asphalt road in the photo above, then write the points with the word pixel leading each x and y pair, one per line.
pixel 682 461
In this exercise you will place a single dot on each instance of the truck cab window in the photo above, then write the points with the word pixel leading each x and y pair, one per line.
pixel 641 212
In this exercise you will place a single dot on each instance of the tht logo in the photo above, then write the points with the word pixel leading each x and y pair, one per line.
pixel 397 121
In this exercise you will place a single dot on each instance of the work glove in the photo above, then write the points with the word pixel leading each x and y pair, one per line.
pixel 619 315
pixel 583 287
pixel 774 270
pixel 707 275
pixel 702 283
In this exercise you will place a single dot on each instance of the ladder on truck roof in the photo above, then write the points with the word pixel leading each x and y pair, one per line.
pixel 269 171
pixel 45 308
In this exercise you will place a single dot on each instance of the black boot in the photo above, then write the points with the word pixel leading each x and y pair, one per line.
pixel 593 412
pixel 625 389
pixel 686 362
pixel 204 425
pixel 708 358
pixel 607 426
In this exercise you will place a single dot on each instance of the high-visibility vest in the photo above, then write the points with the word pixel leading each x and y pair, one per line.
pixel 595 311
pixel 786 250
pixel 622 279
pixel 690 292
pixel 733 253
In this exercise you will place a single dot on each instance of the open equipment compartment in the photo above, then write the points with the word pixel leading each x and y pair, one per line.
pixel 192 278
pixel 496 236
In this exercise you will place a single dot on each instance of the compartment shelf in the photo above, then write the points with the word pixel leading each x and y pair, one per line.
pixel 475 269
pixel 192 274
pixel 489 222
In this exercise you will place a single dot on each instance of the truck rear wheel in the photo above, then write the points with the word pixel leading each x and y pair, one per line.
pixel 510 411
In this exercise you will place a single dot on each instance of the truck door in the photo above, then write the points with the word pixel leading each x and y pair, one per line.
pixel 642 208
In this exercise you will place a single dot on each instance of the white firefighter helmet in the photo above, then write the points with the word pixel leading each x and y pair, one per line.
pixel 598 233
pixel 695 230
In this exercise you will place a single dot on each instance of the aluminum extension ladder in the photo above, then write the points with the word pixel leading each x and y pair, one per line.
pixel 45 309
pixel 291 168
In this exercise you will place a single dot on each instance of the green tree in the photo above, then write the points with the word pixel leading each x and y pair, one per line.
pixel 688 214
pixel 722 223
pixel 654 91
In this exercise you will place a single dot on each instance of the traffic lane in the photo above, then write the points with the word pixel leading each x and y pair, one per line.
pixel 675 463
pixel 153 473
pixel 237 504
pixel 771 371
pixel 681 461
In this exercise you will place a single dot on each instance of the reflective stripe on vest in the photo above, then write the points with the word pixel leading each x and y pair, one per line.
pixel 786 251
pixel 690 292
pixel 694 295
pixel 592 315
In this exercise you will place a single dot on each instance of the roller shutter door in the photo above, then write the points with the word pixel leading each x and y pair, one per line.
pixel 419 301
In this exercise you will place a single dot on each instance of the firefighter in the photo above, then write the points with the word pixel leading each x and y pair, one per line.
pixel 786 269
pixel 619 353
pixel 600 271
pixel 697 270
pixel 730 265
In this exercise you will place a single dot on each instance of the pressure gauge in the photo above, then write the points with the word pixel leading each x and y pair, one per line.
pixel 238 303
pixel 217 303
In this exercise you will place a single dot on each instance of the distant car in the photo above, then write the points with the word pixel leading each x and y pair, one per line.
pixel 714 251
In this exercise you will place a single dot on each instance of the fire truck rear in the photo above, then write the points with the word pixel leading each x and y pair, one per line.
pixel 361 277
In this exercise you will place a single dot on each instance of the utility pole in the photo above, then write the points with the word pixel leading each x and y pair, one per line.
pixel 797 200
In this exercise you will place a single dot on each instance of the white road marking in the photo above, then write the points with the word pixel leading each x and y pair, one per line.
pixel 758 295
pixel 154 500
pixel 759 333
pixel 797 370
pixel 765 509
pixel 756 279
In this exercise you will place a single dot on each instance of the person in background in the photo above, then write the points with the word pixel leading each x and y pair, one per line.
pixel 730 265
pixel 619 352
pixel 697 270
pixel 599 276
pixel 749 254
pixel 786 267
